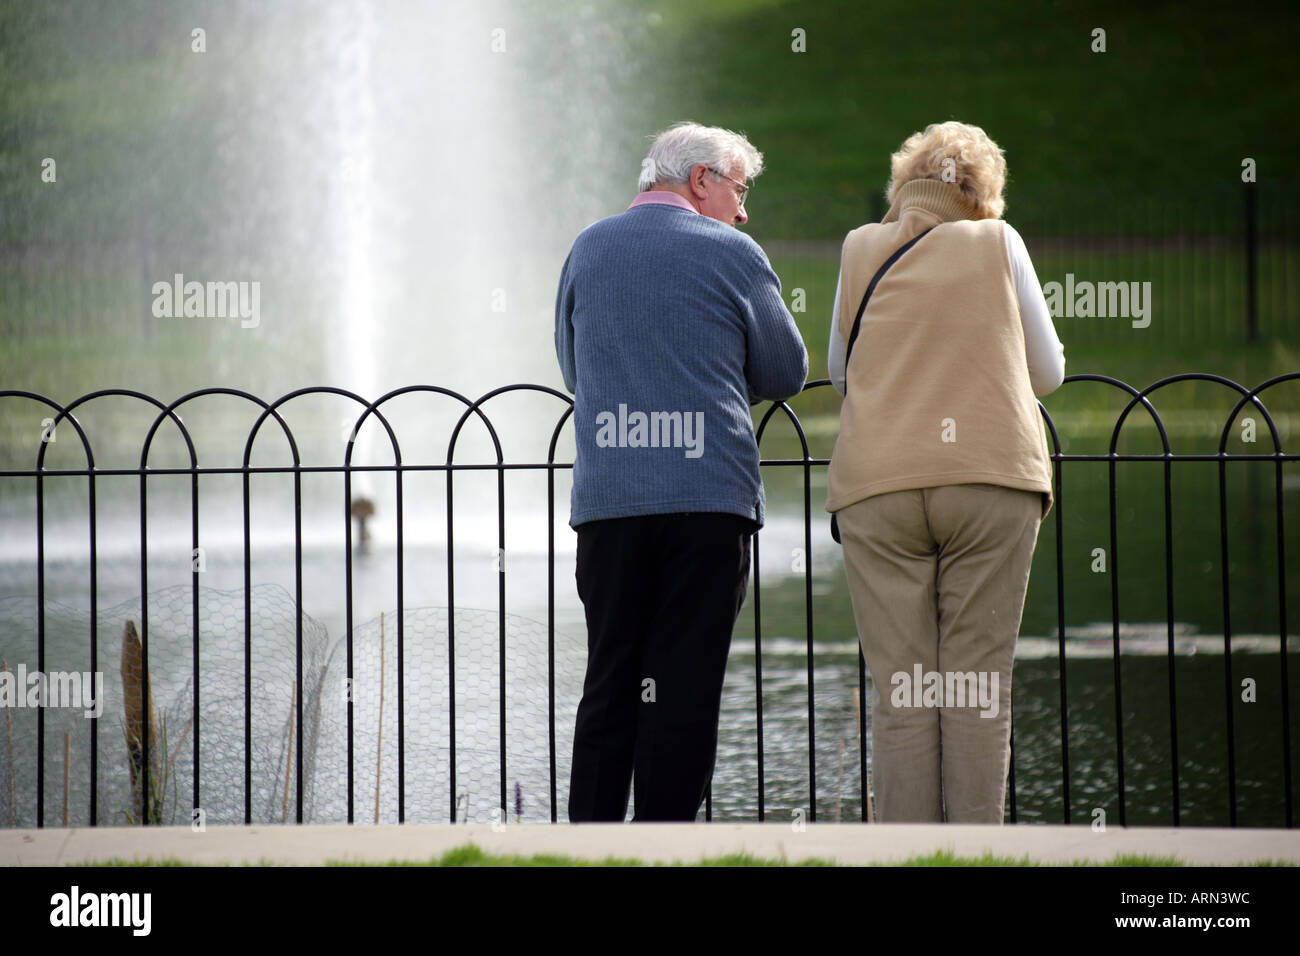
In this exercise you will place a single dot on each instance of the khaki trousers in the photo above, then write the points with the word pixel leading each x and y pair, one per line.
pixel 938 579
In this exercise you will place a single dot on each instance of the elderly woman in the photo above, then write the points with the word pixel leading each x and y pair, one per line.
pixel 940 474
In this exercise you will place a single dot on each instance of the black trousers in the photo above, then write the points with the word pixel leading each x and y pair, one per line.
pixel 661 595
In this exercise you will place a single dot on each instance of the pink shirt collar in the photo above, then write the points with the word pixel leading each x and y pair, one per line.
pixel 661 197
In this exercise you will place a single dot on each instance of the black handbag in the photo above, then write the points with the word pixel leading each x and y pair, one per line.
pixel 857 327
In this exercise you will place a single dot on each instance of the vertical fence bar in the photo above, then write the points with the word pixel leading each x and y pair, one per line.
pixel 758 674
pixel 248 655
pixel 1223 254
pixel 1169 250
pixel 40 637
pixel 348 617
pixel 1252 266
pixel 1060 638
pixel 1169 635
pixel 550 598
pixel 1187 304
pixel 1012 782
pixel 1196 307
pixel 1227 641
pixel 550 621
pixel 1114 619
pixel 1149 263
pixel 401 645
pixel 297 600
pixel 1284 314
pixel 194 588
pixel 862 736
pixel 94 642
pixel 501 626
pixel 451 643
pixel 1216 292
pixel 146 724
pixel 808 623
pixel 1282 641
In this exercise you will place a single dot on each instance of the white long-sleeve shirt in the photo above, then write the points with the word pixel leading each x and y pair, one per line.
pixel 1044 352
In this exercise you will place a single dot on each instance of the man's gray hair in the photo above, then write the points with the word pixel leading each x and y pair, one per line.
pixel 683 145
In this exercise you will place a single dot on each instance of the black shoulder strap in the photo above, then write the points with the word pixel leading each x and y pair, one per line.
pixel 875 280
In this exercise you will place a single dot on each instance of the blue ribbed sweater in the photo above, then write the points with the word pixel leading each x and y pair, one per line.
pixel 668 326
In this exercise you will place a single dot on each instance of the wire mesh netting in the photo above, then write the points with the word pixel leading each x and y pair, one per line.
pixel 285 751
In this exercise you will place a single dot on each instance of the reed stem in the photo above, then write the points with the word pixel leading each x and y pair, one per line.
pixel 288 764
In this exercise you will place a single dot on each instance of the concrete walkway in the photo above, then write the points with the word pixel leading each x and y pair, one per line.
pixel 665 843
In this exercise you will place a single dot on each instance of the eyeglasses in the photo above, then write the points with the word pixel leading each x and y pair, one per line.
pixel 744 189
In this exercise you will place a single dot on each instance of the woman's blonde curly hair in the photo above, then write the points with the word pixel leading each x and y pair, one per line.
pixel 976 165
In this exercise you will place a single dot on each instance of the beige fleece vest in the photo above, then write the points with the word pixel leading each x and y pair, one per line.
pixel 938 385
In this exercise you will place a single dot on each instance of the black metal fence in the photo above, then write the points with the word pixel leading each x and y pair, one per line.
pixel 1132 403
pixel 1217 268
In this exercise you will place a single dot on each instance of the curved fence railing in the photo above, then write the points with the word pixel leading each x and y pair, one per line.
pixel 296 754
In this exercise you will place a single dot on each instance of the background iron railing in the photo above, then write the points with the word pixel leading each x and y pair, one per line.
pixel 1134 402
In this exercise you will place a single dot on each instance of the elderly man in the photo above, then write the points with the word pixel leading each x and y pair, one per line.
pixel 669 324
